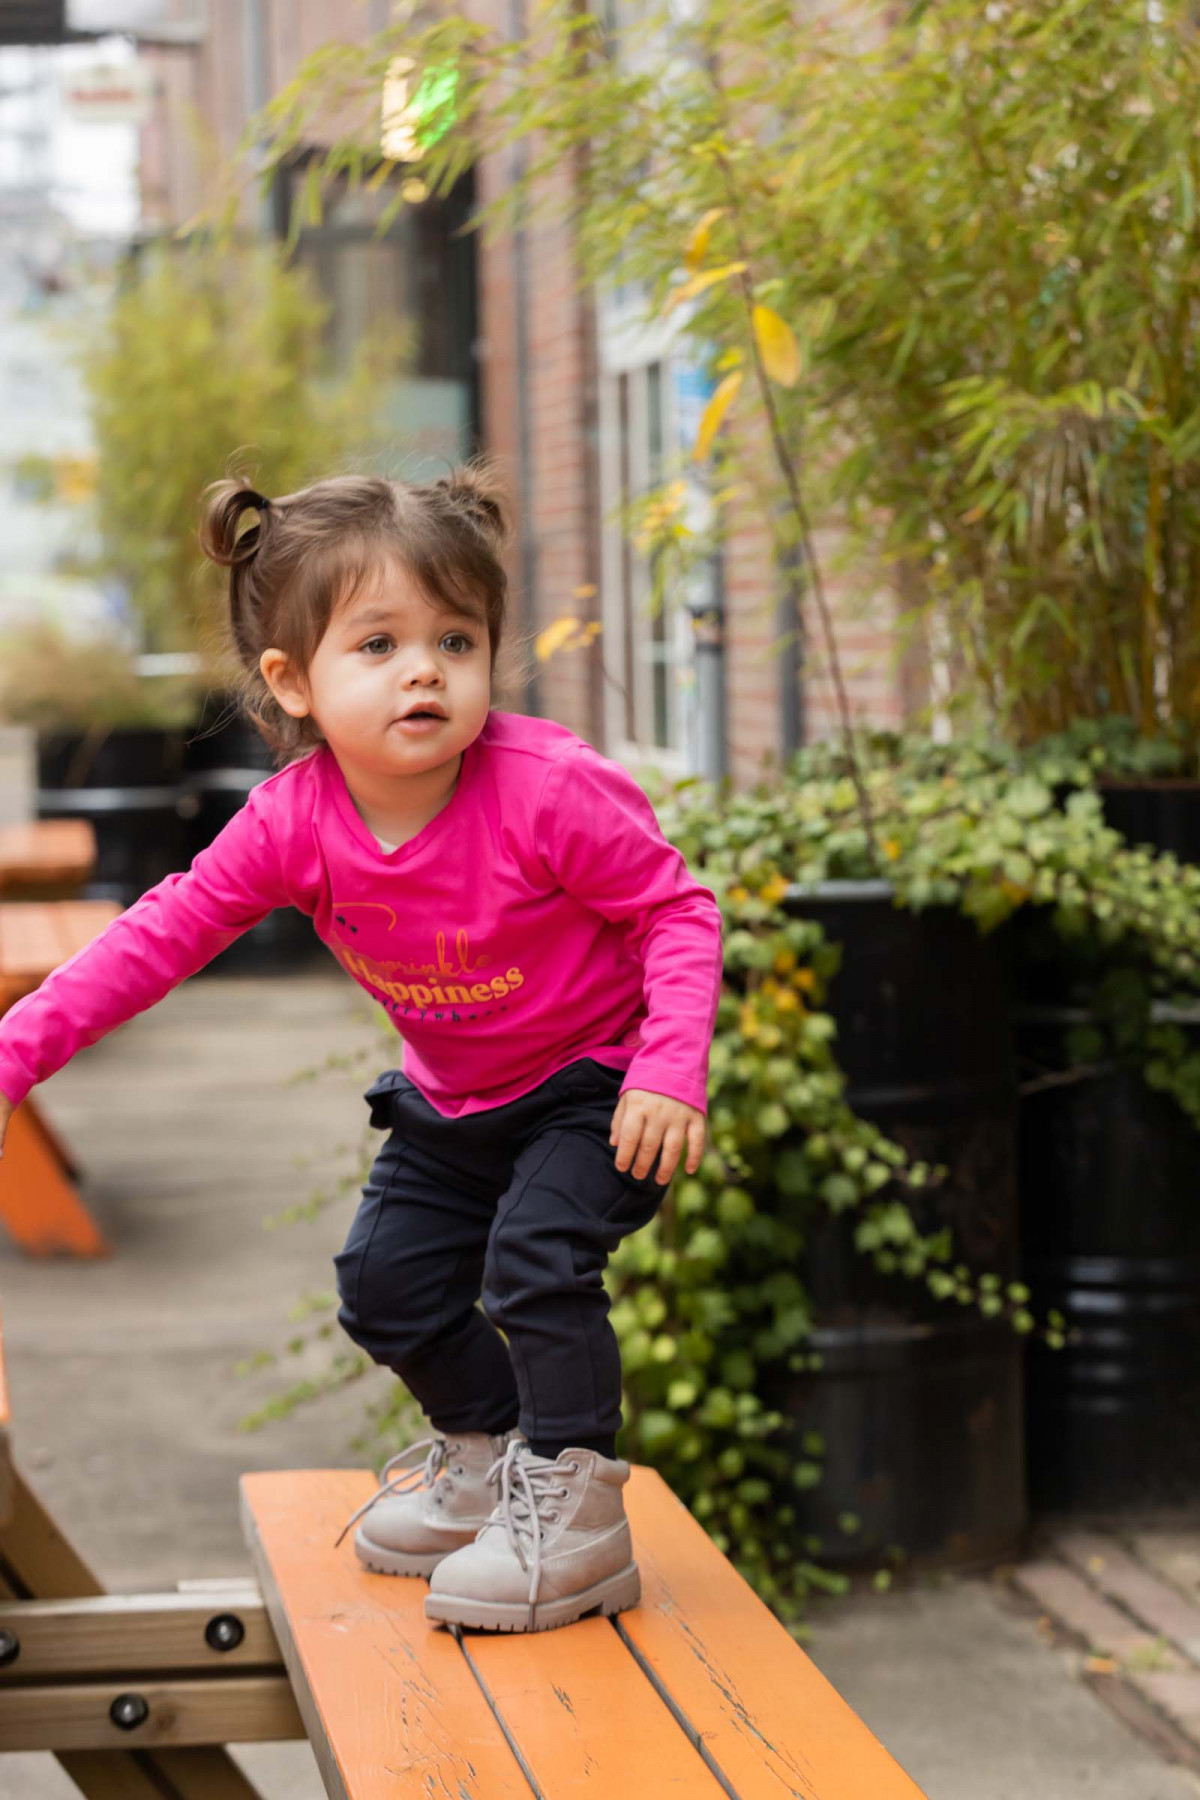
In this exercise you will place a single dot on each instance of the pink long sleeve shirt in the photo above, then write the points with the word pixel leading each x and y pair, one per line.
pixel 539 917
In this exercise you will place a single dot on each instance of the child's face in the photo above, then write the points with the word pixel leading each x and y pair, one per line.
pixel 385 654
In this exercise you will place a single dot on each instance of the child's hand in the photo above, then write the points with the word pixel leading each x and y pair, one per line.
pixel 644 1121
pixel 6 1113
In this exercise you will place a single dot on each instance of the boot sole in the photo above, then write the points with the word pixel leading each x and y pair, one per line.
pixel 382 1561
pixel 617 1593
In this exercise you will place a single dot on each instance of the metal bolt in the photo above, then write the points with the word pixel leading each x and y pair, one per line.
pixel 128 1711
pixel 10 1648
pixel 225 1632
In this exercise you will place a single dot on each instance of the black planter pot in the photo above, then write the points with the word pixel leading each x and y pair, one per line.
pixel 1164 814
pixel 225 758
pixel 1110 1172
pixel 1110 1237
pixel 127 783
pixel 919 1403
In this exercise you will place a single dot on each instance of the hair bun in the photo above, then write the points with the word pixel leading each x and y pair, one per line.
pixel 476 490
pixel 220 537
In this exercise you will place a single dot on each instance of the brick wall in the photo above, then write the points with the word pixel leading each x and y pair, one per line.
pixel 561 511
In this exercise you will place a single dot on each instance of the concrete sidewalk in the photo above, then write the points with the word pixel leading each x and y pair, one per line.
pixel 127 1410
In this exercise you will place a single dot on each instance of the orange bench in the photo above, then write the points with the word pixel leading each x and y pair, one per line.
pixel 134 1694
pixel 699 1691
pixel 45 859
pixel 38 1200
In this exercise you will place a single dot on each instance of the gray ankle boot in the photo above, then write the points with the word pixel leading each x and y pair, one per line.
pixel 422 1514
pixel 556 1547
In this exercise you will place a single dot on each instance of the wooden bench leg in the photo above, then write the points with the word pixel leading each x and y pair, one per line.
pixel 37 1562
pixel 38 1202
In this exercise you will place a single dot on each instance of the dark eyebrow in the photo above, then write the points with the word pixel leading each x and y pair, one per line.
pixel 379 615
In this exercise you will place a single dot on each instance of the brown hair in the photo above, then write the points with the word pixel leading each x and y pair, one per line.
pixel 311 550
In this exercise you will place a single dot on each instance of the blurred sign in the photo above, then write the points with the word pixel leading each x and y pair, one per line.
pixel 110 94
pixel 414 118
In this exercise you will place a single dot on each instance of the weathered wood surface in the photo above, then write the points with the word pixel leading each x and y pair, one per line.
pixel 698 1692
pixel 49 857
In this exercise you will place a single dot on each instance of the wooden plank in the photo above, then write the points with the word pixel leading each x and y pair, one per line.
pixel 148 1633
pixel 46 853
pixel 36 1558
pixel 36 936
pixel 585 1719
pixel 39 1205
pixel 109 1775
pixel 7 1485
pixel 241 1709
pixel 391 1707
pixel 766 1717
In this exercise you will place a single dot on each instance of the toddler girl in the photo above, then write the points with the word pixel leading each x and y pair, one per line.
pixel 507 896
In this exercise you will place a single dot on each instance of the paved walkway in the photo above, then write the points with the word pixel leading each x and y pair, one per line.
pixel 127 1409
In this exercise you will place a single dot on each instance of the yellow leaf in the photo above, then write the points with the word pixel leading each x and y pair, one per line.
pixel 688 290
pixel 698 244
pixel 584 591
pixel 777 346
pixel 773 890
pixel 729 359
pixel 714 412
pixel 554 637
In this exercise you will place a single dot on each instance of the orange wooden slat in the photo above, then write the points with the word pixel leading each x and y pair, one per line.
pixel 584 1717
pixel 38 1205
pixel 46 851
pixel 37 935
pixel 390 1705
pixel 770 1721
pixel 28 940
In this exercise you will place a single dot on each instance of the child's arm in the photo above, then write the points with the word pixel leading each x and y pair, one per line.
pixel 597 832
pixel 165 936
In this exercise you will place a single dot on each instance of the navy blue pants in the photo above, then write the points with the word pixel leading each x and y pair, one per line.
pixel 518 1206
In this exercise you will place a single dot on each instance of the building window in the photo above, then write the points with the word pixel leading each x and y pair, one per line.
pixel 422 272
pixel 648 660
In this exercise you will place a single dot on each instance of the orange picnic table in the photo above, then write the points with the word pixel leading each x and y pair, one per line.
pixel 39 1202
pixel 45 859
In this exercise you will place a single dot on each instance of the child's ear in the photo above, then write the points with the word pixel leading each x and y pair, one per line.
pixel 286 683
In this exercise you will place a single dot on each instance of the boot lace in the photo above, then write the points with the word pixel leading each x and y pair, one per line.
pixel 525 1489
pixel 420 1475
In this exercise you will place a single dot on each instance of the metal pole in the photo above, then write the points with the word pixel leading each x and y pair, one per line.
pixel 790 628
pixel 258 92
pixel 708 640
pixel 528 544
